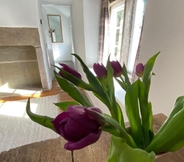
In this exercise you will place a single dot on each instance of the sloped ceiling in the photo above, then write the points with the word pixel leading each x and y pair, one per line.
pixel 63 9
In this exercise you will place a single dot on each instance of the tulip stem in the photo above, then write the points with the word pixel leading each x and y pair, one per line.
pixel 72 156
pixel 122 79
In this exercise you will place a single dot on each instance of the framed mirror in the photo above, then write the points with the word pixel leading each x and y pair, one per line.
pixel 55 28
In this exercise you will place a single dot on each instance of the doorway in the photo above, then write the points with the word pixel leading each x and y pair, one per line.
pixel 57 51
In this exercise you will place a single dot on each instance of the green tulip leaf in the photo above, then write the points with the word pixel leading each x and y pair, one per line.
pixel 64 105
pixel 111 130
pixel 42 120
pixel 146 115
pixel 117 130
pixel 171 137
pixel 76 81
pixel 91 78
pixel 73 91
pixel 178 145
pixel 107 98
pixel 125 74
pixel 122 84
pixel 148 72
pixel 110 83
pixel 132 111
pixel 120 151
pixel 114 105
pixel 177 107
pixel 97 88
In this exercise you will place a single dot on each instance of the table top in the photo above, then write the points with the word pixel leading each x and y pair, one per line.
pixel 52 150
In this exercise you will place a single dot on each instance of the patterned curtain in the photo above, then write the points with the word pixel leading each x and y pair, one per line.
pixel 104 29
pixel 127 30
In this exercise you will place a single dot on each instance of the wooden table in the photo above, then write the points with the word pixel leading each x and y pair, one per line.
pixel 52 150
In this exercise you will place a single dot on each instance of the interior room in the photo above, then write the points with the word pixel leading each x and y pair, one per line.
pixel 38 35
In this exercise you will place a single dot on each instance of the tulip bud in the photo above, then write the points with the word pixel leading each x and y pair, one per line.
pixel 139 69
pixel 100 70
pixel 79 125
pixel 69 70
pixel 118 70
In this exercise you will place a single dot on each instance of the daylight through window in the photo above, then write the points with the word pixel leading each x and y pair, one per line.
pixel 116 28
pixel 125 27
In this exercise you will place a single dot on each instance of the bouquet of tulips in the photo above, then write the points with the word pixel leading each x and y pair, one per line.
pixel 81 124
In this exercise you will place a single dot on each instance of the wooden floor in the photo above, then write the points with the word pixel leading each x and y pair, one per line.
pixel 54 91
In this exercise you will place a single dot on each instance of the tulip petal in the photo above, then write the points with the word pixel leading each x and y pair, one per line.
pixel 100 70
pixel 74 131
pixel 91 138
pixel 139 69
pixel 70 70
pixel 95 109
pixel 56 122
pixel 118 70
pixel 75 109
pixel 81 117
pixel 93 113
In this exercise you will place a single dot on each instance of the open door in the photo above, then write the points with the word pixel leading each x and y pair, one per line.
pixel 57 29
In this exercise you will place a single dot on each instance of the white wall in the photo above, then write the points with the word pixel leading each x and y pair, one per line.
pixel 85 19
pixel 86 30
pixel 164 31
pixel 91 11
pixel 91 29
pixel 18 13
pixel 21 13
pixel 77 17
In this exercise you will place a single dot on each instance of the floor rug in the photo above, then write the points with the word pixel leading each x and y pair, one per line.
pixel 16 129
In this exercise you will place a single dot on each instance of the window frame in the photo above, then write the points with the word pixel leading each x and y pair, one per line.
pixel 114 8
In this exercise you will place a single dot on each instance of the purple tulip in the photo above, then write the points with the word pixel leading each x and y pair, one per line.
pixel 118 70
pixel 79 125
pixel 100 70
pixel 139 69
pixel 69 70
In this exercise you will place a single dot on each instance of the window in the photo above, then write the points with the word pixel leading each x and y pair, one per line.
pixel 125 29
pixel 116 29
pixel 136 32
pixel 125 23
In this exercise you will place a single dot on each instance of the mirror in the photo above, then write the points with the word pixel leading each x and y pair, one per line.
pixel 55 28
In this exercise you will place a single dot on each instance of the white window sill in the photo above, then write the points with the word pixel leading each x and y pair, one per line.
pixel 119 93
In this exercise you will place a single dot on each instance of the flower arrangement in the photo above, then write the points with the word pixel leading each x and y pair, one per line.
pixel 81 124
